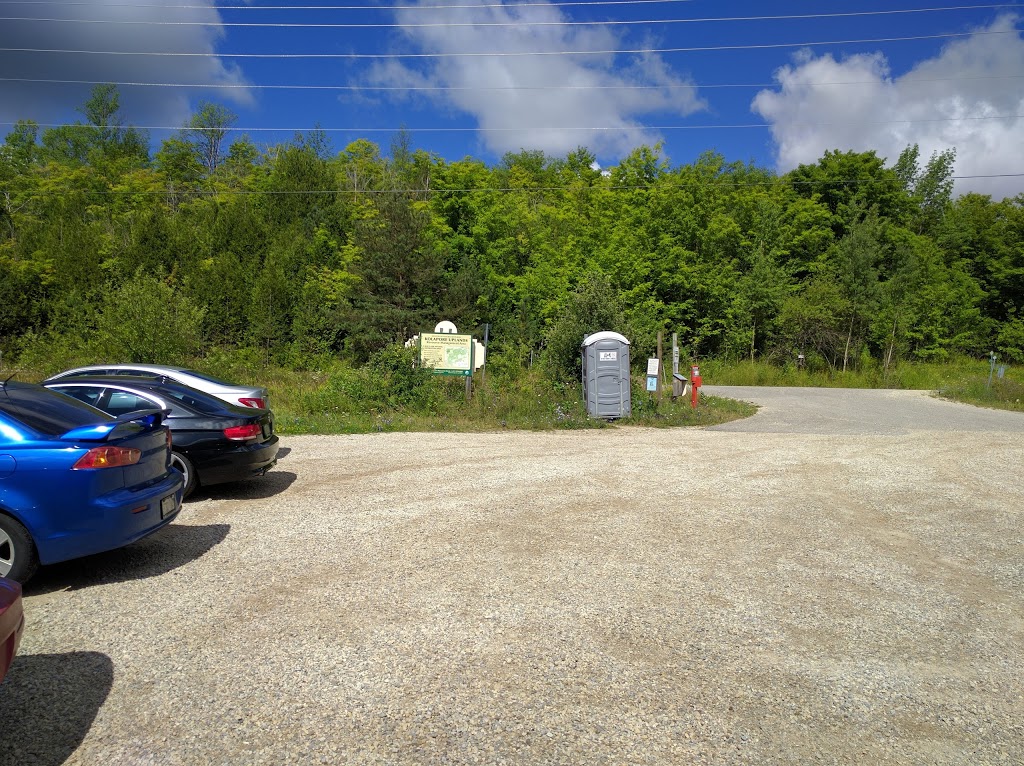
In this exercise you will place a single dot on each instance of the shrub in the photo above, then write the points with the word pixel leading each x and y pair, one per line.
pixel 593 307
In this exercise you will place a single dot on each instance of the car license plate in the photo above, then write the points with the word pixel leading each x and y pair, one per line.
pixel 266 431
pixel 168 506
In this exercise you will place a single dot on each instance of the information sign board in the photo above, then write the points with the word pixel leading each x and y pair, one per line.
pixel 447 353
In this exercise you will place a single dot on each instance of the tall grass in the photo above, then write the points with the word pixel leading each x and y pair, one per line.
pixel 390 393
pixel 961 378
pixel 342 400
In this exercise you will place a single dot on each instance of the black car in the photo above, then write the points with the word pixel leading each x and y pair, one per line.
pixel 212 441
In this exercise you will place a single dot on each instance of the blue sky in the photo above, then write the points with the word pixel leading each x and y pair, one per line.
pixel 775 91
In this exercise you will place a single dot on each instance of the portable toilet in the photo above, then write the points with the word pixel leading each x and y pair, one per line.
pixel 606 375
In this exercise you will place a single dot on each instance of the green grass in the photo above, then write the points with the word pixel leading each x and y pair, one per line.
pixel 391 394
pixel 333 402
pixel 960 379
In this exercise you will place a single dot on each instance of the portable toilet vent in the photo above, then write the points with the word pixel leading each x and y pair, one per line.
pixel 606 375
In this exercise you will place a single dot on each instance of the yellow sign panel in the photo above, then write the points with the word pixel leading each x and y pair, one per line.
pixel 447 353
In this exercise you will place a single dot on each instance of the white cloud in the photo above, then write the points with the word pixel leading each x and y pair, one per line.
pixel 52 102
pixel 978 76
pixel 522 116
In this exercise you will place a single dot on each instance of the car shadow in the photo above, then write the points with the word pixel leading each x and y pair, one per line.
pixel 49 702
pixel 284 452
pixel 270 484
pixel 173 546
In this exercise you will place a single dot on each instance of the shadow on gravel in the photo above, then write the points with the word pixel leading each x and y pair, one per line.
pixel 48 704
pixel 173 546
pixel 273 483
pixel 283 452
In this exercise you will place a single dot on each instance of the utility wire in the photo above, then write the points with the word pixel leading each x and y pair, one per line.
pixel 534 129
pixel 777 181
pixel 444 88
pixel 505 54
pixel 518 24
pixel 348 7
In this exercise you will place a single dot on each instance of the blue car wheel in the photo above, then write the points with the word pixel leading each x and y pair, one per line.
pixel 18 558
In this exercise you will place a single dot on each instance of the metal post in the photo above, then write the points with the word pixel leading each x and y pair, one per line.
pixel 991 367
pixel 661 335
pixel 483 367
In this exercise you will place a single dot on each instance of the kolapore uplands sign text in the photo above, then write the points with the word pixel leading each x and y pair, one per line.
pixel 447 353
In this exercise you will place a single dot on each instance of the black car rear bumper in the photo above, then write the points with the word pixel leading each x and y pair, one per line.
pixel 242 462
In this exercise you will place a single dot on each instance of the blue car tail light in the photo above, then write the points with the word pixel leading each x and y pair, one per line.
pixel 107 457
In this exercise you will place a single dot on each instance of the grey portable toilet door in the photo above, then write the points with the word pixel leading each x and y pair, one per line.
pixel 608 375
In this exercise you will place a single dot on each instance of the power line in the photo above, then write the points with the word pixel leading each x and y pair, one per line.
pixel 503 54
pixel 350 7
pixel 559 23
pixel 444 88
pixel 534 129
pixel 777 180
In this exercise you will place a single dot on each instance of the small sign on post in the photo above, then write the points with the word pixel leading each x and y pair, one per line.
pixel 653 368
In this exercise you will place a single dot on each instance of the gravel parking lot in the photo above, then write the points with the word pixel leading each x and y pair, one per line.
pixel 837 579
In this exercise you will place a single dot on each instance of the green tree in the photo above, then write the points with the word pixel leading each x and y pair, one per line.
pixel 850 185
pixel 592 307
pixel 758 299
pixel 399 270
pixel 813 321
pixel 179 163
pixel 147 320
pixel 930 189
pixel 206 131
pixel 856 260
pixel 103 139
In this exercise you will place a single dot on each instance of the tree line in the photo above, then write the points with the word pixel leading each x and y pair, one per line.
pixel 296 252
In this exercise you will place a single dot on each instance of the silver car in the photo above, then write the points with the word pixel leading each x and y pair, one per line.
pixel 247 396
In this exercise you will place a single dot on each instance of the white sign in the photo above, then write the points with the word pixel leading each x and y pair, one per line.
pixel 607 356
pixel 652 367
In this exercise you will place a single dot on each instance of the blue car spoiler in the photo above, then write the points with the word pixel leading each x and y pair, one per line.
pixel 121 426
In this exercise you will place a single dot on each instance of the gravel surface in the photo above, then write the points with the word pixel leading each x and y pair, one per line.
pixel 837 579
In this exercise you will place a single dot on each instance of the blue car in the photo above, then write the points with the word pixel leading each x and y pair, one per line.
pixel 76 481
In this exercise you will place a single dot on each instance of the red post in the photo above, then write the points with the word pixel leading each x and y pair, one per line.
pixel 695 383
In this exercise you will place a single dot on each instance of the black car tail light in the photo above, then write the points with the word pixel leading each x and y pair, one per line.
pixel 242 433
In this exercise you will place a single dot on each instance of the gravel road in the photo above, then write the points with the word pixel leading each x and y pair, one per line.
pixel 835 580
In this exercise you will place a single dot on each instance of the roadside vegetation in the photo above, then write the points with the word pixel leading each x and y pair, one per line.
pixel 305 267
pixel 391 393
pixel 961 378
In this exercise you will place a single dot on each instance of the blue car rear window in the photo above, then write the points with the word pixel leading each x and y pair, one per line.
pixel 47 412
